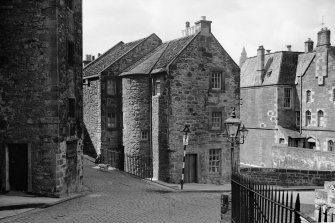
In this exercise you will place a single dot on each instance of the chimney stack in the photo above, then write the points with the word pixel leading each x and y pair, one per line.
pixel 204 25
pixel 260 64
pixel 309 45
pixel 323 37
pixel 288 47
pixel 87 60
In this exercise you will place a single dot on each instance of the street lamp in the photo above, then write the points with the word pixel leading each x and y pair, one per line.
pixel 236 132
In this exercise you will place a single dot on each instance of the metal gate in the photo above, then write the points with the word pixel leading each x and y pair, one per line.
pixel 254 202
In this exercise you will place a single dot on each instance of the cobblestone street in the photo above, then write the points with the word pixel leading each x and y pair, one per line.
pixel 119 197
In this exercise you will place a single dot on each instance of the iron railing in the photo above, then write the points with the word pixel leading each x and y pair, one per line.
pixel 112 157
pixel 254 202
pixel 137 165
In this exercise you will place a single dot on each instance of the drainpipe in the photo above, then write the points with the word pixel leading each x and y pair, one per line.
pixel 300 129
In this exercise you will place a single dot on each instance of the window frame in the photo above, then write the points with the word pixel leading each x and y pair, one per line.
pixel 333 93
pixel 144 135
pixel 308 96
pixel 216 80
pixel 157 91
pixel 214 161
pixel 287 99
pixel 218 121
pixel 330 145
pixel 320 119
pixel 308 118
pixel 112 80
pixel 297 118
pixel 110 118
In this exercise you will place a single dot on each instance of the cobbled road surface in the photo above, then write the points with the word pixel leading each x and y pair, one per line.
pixel 119 197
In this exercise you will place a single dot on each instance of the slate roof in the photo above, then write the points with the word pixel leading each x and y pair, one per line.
pixel 291 133
pixel 304 60
pixel 280 68
pixel 160 57
pixel 109 57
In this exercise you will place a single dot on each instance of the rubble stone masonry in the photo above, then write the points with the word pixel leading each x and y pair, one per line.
pixel 36 80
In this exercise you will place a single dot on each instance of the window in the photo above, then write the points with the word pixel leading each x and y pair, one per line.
pixel 216 80
pixel 281 141
pixel 287 97
pixel 111 87
pixel 144 135
pixel 308 118
pixel 308 96
pixel 320 119
pixel 297 118
pixel 71 107
pixel 111 120
pixel 69 4
pixel 70 53
pixel 330 146
pixel 216 120
pixel 214 160
pixel 157 87
pixel 333 95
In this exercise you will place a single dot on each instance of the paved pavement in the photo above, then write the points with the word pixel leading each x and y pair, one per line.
pixel 120 197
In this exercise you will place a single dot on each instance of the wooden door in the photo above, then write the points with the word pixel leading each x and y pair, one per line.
pixel 191 168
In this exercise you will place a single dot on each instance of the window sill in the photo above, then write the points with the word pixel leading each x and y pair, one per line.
pixel 214 90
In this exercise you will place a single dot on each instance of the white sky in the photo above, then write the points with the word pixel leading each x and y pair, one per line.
pixel 235 23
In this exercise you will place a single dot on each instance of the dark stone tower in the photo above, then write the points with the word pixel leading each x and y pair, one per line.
pixel 41 96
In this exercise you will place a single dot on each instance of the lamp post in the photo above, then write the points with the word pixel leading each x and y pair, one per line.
pixel 236 133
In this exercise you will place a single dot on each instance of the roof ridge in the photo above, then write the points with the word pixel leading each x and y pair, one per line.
pixel 140 41
pixel 112 48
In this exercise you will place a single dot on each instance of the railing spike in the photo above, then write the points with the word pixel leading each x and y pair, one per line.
pixel 325 215
pixel 320 214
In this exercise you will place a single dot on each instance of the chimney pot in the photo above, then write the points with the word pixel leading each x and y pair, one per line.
pixel 268 51
pixel 309 45
pixel 93 58
pixel 288 47
pixel 187 24
pixel 203 17
pixel 99 54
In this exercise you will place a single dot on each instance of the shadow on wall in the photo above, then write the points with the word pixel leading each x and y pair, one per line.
pixel 88 145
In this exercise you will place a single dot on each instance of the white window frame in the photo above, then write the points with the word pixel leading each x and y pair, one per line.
pixel 214 160
pixel 216 79
pixel 216 120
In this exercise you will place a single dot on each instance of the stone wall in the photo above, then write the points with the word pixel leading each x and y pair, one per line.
pixel 192 100
pixel 302 158
pixel 34 86
pixel 92 115
pixel 136 114
pixel 288 177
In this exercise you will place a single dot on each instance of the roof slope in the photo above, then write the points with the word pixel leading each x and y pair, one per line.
pixel 160 57
pixel 279 68
pixel 304 60
pixel 109 57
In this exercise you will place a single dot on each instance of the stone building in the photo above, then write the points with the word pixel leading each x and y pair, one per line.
pixel 288 106
pixel 41 96
pixel 191 80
